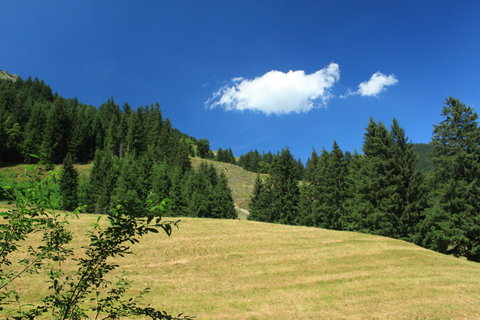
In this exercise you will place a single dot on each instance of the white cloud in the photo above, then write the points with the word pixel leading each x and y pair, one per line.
pixel 376 84
pixel 277 92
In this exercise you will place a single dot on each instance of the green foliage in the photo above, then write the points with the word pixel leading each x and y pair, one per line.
pixel 277 199
pixel 323 199
pixel 260 202
pixel 225 156
pixel 390 195
pixel 84 293
pixel 203 149
pixel 452 226
pixel 255 162
pixel 69 185
pixel 32 120
pixel 424 152
pixel 206 194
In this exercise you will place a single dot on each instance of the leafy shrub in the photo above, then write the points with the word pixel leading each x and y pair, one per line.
pixel 85 292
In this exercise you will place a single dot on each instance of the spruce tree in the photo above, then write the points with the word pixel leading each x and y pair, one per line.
pixel 177 196
pixel 314 193
pixel 103 180
pixel 34 131
pixel 161 182
pixel 203 148
pixel 68 184
pixel 336 189
pixel 389 192
pixel 57 132
pixel 284 178
pixel 375 188
pixel 311 166
pixel 410 198
pixel 129 186
pixel 453 225
pixel 259 206
pixel 223 206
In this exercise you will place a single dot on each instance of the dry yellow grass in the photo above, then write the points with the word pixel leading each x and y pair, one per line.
pixel 231 269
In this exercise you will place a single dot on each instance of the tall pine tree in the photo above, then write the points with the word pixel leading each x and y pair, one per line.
pixel 68 184
pixel 453 225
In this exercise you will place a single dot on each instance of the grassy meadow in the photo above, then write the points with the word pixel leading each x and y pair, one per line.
pixel 234 269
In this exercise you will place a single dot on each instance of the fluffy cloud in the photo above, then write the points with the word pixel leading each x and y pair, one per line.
pixel 277 92
pixel 376 84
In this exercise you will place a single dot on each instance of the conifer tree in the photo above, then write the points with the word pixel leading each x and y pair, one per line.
pixel 336 187
pixel 352 220
pixel 161 182
pixel 310 168
pixel 230 158
pixel 409 198
pixel 313 193
pixel 199 190
pixel 68 184
pixel 177 200
pixel 373 182
pixel 103 179
pixel 135 138
pixel 203 148
pixel 453 225
pixel 389 192
pixel 222 206
pixel 129 187
pixel 34 130
pixel 281 204
pixel 259 206
pixel 57 132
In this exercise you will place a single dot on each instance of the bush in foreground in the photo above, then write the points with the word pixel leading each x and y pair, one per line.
pixel 85 292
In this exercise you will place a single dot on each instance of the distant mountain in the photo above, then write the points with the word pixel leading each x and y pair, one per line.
pixel 5 75
pixel 424 151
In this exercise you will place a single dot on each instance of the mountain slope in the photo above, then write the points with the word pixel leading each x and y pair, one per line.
pixel 5 75
pixel 230 269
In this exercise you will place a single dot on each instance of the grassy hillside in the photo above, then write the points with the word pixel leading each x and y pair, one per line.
pixel 231 269
pixel 5 75
pixel 19 173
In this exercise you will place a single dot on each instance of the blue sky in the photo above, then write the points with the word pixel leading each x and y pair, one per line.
pixel 184 54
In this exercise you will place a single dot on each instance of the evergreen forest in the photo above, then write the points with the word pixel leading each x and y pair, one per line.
pixel 138 157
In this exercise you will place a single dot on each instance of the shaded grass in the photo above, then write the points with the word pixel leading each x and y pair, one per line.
pixel 227 269
pixel 19 172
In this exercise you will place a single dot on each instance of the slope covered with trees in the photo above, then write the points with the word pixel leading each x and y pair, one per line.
pixel 137 154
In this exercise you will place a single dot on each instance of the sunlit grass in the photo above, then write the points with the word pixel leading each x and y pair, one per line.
pixel 230 269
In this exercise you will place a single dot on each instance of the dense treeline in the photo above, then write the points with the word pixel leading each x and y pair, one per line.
pixel 225 156
pixel 138 157
pixel 262 163
pixel 382 191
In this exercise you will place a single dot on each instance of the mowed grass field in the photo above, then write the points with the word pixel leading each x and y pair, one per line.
pixel 236 269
